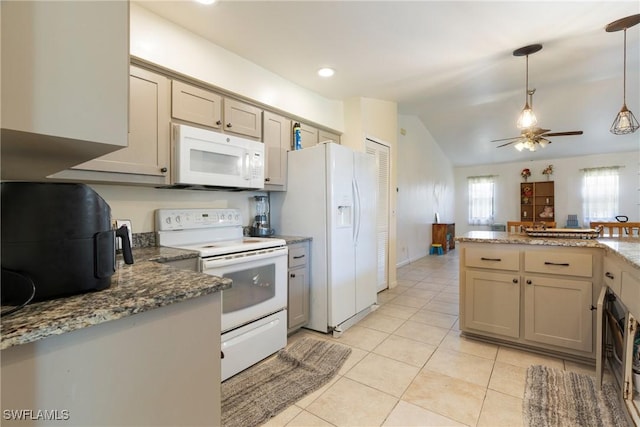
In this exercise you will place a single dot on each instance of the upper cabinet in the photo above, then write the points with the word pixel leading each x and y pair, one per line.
pixel 65 68
pixel 204 107
pixel 277 141
pixel 146 159
pixel 309 135
pixel 324 136
pixel 196 105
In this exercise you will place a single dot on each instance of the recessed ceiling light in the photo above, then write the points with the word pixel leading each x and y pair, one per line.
pixel 205 1
pixel 326 72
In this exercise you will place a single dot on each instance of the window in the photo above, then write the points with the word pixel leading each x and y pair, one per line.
pixel 599 194
pixel 481 199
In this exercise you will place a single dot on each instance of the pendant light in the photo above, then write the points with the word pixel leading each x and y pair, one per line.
pixel 527 118
pixel 625 122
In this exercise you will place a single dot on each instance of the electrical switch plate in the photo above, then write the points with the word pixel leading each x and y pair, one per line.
pixel 120 223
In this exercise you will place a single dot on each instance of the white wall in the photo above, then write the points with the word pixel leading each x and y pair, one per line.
pixel 568 183
pixel 425 182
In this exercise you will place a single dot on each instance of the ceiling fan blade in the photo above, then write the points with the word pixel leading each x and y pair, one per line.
pixel 508 143
pixel 506 139
pixel 574 132
pixel 539 131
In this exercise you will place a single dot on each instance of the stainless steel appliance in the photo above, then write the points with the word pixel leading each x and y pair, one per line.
pixel 254 315
pixel 57 240
pixel 215 160
pixel 336 207
pixel 261 224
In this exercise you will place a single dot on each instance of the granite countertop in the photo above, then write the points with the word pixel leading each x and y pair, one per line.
pixel 292 239
pixel 624 248
pixel 142 286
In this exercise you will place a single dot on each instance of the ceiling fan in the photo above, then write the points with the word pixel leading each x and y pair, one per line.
pixel 531 137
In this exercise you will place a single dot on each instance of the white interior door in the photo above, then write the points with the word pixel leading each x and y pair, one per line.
pixel 383 164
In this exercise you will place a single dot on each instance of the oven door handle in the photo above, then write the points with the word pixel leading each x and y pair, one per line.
pixel 223 261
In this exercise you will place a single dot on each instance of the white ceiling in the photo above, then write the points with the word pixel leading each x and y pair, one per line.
pixel 450 63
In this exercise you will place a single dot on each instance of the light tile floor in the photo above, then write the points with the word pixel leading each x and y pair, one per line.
pixel 409 365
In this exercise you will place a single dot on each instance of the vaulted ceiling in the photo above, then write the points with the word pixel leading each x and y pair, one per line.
pixel 450 63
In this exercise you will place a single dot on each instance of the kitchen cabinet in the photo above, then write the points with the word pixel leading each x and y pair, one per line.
pixel 537 201
pixel 326 136
pixel 309 135
pixel 299 283
pixel 207 108
pixel 159 367
pixel 277 141
pixel 196 105
pixel 146 160
pixel 444 235
pixel 558 312
pixel 536 297
pixel 492 302
pixel 64 87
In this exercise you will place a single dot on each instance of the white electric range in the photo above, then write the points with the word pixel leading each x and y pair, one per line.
pixel 254 315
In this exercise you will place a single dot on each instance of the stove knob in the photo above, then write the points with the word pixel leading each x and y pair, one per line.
pixel 237 217
pixel 178 219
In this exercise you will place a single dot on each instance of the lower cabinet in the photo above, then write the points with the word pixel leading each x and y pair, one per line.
pixel 558 312
pixel 539 298
pixel 492 302
pixel 298 276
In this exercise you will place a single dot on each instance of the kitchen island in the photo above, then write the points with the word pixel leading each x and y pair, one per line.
pixel 535 292
pixel 145 351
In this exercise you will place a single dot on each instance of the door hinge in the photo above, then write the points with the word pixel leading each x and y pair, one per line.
pixel 632 325
pixel 626 394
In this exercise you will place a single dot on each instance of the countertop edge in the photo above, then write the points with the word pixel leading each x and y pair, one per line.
pixel 626 249
pixel 131 292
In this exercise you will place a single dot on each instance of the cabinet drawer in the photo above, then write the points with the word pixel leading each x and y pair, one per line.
pixel 297 255
pixel 562 263
pixel 495 259
pixel 630 293
pixel 612 275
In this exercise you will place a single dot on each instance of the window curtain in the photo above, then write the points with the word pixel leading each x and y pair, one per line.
pixel 481 200
pixel 599 194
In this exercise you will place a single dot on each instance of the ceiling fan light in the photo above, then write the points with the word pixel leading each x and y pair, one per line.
pixel 542 142
pixel 527 118
pixel 624 123
pixel 519 146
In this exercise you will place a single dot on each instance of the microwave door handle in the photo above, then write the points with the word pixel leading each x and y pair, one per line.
pixel 247 166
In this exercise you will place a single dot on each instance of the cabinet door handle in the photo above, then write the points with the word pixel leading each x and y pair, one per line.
pixel 515 280
pixel 298 257
pixel 490 259
pixel 164 170
pixel 221 354
pixel 228 125
pixel 267 179
pixel 609 275
pixel 529 282
pixel 219 122
pixel 292 275
pixel 563 264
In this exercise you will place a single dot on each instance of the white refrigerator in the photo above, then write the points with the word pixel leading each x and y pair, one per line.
pixel 331 197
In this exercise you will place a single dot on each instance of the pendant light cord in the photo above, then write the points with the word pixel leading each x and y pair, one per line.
pixel 624 72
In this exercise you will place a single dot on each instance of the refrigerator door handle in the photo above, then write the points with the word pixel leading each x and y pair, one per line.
pixel 357 212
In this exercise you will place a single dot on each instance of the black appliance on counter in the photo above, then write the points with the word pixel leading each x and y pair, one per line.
pixel 57 238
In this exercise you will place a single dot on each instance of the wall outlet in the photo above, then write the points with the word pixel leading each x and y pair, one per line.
pixel 119 223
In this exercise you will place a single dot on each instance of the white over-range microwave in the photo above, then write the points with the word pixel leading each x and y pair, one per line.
pixel 212 159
